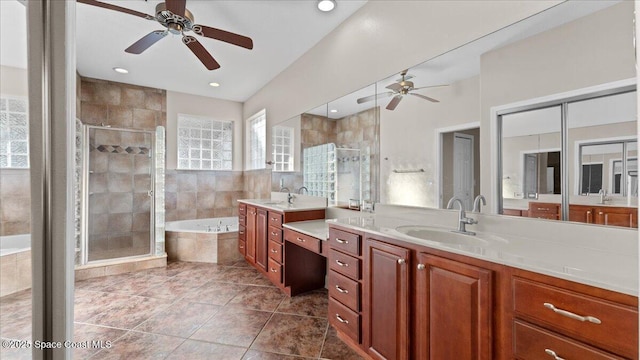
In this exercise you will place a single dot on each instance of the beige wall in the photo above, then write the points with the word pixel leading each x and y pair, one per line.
pixel 600 51
pixel 14 81
pixel 223 110
pixel 366 48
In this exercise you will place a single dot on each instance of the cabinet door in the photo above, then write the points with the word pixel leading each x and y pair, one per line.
pixel 453 310
pixel 617 216
pixel 261 239
pixel 580 213
pixel 251 234
pixel 386 303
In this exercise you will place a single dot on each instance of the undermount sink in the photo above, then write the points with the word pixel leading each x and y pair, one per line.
pixel 441 236
pixel 272 202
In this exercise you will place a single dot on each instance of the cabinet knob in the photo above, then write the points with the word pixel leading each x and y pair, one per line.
pixel 401 261
pixel 553 354
pixel 421 266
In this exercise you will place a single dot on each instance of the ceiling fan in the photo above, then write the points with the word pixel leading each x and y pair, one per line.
pixel 176 18
pixel 400 88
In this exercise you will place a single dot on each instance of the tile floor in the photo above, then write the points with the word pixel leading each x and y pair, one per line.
pixel 188 311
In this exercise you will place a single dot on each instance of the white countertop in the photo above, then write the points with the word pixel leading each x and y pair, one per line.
pixel 283 205
pixel 560 256
pixel 318 229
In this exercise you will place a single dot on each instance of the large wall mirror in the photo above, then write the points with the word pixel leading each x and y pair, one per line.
pixel 437 135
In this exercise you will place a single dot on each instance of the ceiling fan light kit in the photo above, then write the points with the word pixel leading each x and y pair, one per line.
pixel 326 5
pixel 177 19
pixel 399 89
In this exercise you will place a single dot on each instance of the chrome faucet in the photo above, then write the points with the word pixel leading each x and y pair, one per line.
pixel 463 220
pixel 603 196
pixel 282 189
pixel 305 189
pixel 476 203
pixel 290 198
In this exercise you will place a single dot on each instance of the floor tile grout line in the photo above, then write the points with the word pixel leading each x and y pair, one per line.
pixel 324 341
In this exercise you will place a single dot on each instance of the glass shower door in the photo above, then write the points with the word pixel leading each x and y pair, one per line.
pixel 120 193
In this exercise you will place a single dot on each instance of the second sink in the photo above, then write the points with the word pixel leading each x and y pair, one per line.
pixel 442 236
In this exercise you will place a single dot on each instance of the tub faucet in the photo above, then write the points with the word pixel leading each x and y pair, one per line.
pixel 476 203
pixel 218 228
pixel 303 188
pixel 463 220
pixel 603 196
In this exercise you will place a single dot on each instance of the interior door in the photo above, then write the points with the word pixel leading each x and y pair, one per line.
pixel 463 168
pixel 531 176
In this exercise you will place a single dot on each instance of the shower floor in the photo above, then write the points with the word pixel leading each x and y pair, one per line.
pixel 188 311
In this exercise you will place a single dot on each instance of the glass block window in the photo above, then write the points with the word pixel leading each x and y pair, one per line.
pixel 282 148
pixel 204 144
pixel 14 133
pixel 256 140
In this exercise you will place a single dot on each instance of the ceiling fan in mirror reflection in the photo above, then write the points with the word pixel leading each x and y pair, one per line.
pixel 399 89
pixel 177 19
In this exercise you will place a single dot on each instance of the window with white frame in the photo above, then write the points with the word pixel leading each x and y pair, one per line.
pixel 204 144
pixel 14 133
pixel 256 141
pixel 282 143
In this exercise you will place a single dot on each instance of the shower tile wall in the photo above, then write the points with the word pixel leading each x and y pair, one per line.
pixel 15 207
pixel 202 194
pixel 119 204
pixel 122 105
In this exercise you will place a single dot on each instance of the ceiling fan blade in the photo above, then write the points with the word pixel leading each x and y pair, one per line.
pixel 432 86
pixel 395 87
pixel 372 97
pixel 425 97
pixel 116 8
pixel 198 50
pixel 176 6
pixel 143 44
pixel 222 35
pixel 394 102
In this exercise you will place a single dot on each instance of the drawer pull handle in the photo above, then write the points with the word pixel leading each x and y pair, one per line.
pixel 341 319
pixel 241 232
pixel 299 239
pixel 340 241
pixel 274 251
pixel 274 270
pixel 241 246
pixel 274 219
pixel 553 354
pixel 543 209
pixel 571 315
pixel 273 233
pixel 342 263
pixel 344 291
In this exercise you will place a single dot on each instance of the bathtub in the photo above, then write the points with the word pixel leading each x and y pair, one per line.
pixel 213 240
pixel 15 261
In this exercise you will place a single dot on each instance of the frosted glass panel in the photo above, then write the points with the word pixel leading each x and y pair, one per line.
pixel 197 137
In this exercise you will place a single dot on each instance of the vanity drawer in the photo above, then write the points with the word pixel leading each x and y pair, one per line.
pixel 345 320
pixel 344 264
pixel 305 241
pixel 242 247
pixel 242 220
pixel 242 230
pixel 344 290
pixel 275 219
pixel 532 342
pixel 275 234
pixel 242 209
pixel 616 332
pixel 275 251
pixel 275 271
pixel 344 241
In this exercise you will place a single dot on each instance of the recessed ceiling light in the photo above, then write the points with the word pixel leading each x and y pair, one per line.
pixel 326 5
pixel 333 110
pixel 214 84
pixel 120 70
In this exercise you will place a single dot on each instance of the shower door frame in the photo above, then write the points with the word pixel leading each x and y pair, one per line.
pixel 84 250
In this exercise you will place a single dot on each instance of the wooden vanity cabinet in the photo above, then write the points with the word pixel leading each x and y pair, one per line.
pixel 242 232
pixel 581 213
pixel 617 216
pixel 540 210
pixel 250 253
pixel 454 309
pixel 386 302
pixel 569 319
pixel 261 239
